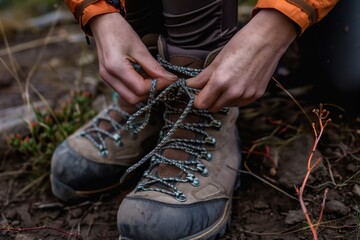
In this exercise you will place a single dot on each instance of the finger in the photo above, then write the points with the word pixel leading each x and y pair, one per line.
pixel 162 83
pixel 123 90
pixel 225 101
pixel 200 80
pixel 153 68
pixel 207 97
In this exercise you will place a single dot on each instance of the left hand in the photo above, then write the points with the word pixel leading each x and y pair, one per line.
pixel 240 73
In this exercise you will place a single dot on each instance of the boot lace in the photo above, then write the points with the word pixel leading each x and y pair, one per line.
pixel 172 97
pixel 96 135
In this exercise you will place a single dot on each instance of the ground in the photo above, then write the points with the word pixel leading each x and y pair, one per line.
pixel 277 140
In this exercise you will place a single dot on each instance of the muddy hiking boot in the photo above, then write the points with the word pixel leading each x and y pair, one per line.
pixel 186 192
pixel 92 160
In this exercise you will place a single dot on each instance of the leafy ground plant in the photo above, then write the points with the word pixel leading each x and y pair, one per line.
pixel 50 128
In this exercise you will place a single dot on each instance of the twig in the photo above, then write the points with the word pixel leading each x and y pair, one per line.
pixel 322 208
pixel 12 173
pixel 323 120
pixel 32 184
pixel 45 227
pixel 263 180
pixel 330 172
pixel 292 98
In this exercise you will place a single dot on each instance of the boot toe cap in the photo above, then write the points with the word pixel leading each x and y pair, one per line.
pixel 146 219
pixel 75 172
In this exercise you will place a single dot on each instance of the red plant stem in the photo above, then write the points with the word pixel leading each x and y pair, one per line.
pixel 303 207
pixel 322 208
pixel 322 114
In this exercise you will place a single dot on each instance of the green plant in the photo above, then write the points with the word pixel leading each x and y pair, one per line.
pixel 49 128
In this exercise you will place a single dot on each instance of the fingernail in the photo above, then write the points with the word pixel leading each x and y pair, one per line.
pixel 170 75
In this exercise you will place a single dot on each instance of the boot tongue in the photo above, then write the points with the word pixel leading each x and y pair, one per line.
pixel 177 56
pixel 175 154
pixel 118 117
pixel 184 58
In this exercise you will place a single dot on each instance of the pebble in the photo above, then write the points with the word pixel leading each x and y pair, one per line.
pixel 260 205
pixel 356 190
pixel 15 223
pixel 336 207
pixel 294 216
pixel 20 236
pixel 77 212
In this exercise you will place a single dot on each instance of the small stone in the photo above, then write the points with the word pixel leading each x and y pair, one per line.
pixel 4 222
pixel 294 216
pixel 20 236
pixel 337 208
pixel 273 172
pixel 77 212
pixel 356 190
pixel 54 214
pixel 11 214
pixel 352 167
pixel 260 205
pixel 15 223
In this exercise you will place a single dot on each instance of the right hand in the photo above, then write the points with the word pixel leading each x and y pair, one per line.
pixel 118 47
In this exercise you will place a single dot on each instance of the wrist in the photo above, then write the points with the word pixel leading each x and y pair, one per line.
pixel 274 28
pixel 106 25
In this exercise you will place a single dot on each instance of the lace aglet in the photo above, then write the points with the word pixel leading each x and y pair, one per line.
pixel 123 177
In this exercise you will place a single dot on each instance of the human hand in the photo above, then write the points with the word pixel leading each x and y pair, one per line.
pixel 119 47
pixel 240 73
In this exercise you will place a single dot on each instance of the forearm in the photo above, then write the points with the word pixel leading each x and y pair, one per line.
pixel 270 28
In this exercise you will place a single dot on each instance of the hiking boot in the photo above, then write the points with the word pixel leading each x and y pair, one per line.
pixel 92 160
pixel 186 192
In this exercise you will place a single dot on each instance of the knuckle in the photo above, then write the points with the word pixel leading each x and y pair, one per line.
pixel 132 100
pixel 103 72
pixel 202 105
pixel 140 91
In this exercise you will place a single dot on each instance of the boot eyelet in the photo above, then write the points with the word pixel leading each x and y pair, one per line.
pixel 216 124
pixel 206 155
pixel 195 182
pixel 202 169
pixel 103 151
pixel 180 196
pixel 117 139
pixel 225 110
pixel 210 140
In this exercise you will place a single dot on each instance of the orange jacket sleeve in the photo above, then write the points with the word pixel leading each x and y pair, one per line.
pixel 303 12
pixel 84 10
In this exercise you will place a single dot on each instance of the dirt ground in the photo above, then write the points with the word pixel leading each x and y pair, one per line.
pixel 277 139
